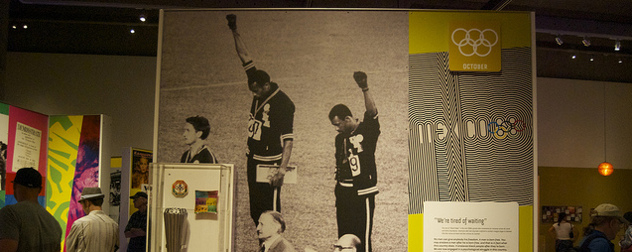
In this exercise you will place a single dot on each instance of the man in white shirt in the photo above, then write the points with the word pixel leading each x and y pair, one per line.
pixel 95 232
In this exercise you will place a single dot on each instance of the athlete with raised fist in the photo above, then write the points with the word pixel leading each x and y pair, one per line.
pixel 270 131
pixel 356 173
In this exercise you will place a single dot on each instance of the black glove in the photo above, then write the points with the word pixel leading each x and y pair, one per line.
pixel 232 21
pixel 360 78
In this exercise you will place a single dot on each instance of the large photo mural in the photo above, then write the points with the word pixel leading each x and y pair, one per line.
pixel 363 115
pixel 257 87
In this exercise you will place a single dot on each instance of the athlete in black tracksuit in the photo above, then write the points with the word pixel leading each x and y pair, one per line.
pixel 356 173
pixel 270 131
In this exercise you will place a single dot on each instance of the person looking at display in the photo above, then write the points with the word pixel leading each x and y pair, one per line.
pixel 269 231
pixel 96 231
pixel 603 228
pixel 26 225
pixel 136 228
pixel 561 232
pixel 196 130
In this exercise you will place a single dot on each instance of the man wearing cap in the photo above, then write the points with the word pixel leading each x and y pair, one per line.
pixel 270 131
pixel 96 231
pixel 136 228
pixel 606 223
pixel 27 226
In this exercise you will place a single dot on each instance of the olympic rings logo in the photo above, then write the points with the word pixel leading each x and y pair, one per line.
pixel 475 38
pixel 502 129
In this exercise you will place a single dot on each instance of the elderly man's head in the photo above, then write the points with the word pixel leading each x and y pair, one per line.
pixel 271 223
pixel 347 243
pixel 607 218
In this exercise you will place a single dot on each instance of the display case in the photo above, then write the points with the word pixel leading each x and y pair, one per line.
pixel 191 207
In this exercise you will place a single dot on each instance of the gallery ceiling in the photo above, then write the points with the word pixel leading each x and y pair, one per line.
pixel 104 27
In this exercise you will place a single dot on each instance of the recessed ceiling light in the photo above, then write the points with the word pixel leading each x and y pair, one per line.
pixel 132 31
pixel 574 56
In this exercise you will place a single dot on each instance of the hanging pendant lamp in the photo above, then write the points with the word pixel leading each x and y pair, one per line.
pixel 605 168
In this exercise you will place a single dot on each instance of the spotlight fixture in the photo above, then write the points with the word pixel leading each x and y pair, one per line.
pixel 592 59
pixel 586 41
pixel 620 61
pixel 25 27
pixel 14 27
pixel 132 31
pixel 574 56
pixel 617 45
pixel 559 40
pixel 142 18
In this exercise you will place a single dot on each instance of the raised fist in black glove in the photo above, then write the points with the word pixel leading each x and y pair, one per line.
pixel 360 78
pixel 232 21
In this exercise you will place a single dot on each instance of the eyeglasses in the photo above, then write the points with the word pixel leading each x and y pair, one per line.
pixel 341 248
pixel 620 224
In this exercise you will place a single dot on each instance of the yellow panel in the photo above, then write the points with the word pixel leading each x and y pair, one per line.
pixel 429 30
pixel 63 142
pixel 475 46
pixel 116 162
pixel 415 232
pixel 526 228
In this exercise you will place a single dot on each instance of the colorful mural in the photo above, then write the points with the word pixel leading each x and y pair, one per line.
pixel 65 132
pixel 73 162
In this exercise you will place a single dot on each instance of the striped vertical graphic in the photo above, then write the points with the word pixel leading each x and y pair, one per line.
pixel 471 136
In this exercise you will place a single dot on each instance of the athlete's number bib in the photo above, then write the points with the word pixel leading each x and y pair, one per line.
pixel 254 128
pixel 354 164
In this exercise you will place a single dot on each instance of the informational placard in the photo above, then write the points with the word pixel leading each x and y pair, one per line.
pixel 27 147
pixel 470 226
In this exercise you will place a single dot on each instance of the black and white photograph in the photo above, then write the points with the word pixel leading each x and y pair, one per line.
pixel 115 188
pixel 323 91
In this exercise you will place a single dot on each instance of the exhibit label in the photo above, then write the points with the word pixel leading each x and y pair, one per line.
pixel 470 226
pixel 27 147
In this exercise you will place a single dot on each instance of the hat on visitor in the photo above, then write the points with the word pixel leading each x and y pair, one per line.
pixel 139 194
pixel 610 210
pixel 91 193
pixel 28 177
